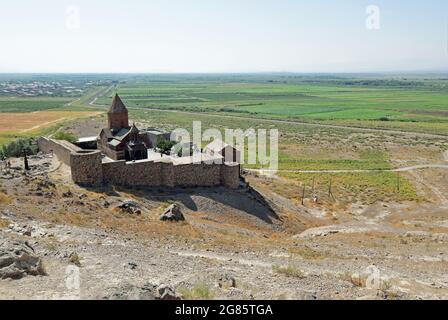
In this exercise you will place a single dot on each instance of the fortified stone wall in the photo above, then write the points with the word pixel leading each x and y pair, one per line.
pixel 62 149
pixel 88 169
pixel 230 175
pixel 167 174
pixel 192 175
pixel 132 174
pixel 149 173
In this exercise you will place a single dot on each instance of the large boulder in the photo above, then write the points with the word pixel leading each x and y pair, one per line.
pixel 17 259
pixel 173 213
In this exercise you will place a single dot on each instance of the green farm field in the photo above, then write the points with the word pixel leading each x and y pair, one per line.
pixel 24 105
pixel 417 104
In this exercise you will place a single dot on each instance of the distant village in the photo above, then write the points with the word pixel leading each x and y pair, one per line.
pixel 50 88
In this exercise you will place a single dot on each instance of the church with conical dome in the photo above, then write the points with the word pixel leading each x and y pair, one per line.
pixel 120 141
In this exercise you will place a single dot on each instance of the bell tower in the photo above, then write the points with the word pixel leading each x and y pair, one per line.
pixel 117 115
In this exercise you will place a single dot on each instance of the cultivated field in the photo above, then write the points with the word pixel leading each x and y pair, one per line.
pixel 405 103
pixel 16 125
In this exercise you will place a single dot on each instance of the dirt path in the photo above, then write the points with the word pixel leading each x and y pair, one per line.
pixel 72 102
pixel 432 188
pixel 45 124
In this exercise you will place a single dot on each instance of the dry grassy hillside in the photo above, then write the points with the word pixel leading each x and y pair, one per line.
pixel 233 244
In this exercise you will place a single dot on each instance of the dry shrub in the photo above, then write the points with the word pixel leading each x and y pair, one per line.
pixel 200 291
pixel 306 253
pixel 289 271
pixel 4 198
pixel 3 223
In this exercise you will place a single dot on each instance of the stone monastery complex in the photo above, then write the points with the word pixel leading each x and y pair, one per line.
pixel 125 155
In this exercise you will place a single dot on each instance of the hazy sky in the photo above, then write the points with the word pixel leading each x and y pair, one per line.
pixel 221 36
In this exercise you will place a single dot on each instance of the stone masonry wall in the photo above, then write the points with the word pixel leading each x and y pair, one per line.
pixel 230 175
pixel 132 174
pixel 88 169
pixel 61 149
pixel 192 175
pixel 149 173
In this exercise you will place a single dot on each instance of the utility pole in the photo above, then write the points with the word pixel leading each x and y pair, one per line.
pixel 330 192
pixel 25 160
pixel 303 195
pixel 314 180
pixel 398 181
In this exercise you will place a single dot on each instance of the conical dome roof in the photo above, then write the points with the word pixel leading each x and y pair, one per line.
pixel 117 105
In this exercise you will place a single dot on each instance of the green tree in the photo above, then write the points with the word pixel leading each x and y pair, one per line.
pixel 183 150
pixel 165 146
pixel 63 135
pixel 16 148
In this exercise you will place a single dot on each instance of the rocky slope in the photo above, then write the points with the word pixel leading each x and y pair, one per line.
pixel 110 243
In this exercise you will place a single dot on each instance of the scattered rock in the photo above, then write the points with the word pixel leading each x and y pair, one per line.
pixel 130 207
pixel 74 259
pixel 8 213
pixel 227 281
pixel 417 234
pixel 45 184
pixel 17 259
pixel 27 232
pixel 132 265
pixel 67 194
pixel 173 213
pixel 440 237
pixel 49 195
pixel 166 293
pixel 131 292
pixel 23 229
pixel 334 229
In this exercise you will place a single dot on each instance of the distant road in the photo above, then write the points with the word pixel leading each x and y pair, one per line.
pixel 92 100
pixel 404 169
pixel 294 122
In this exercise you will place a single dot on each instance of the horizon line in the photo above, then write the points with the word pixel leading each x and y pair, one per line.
pixel 441 71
